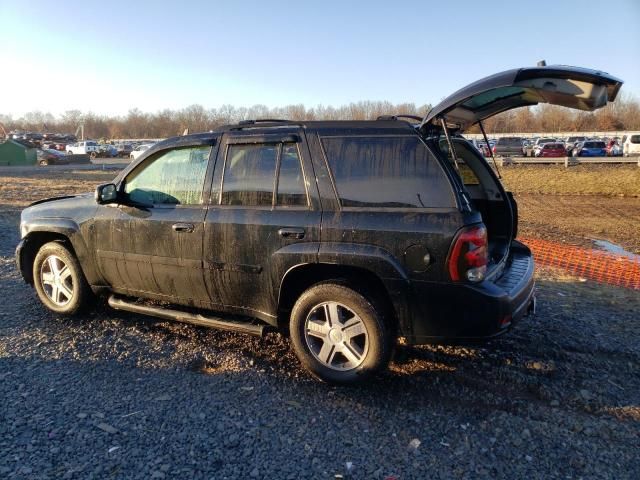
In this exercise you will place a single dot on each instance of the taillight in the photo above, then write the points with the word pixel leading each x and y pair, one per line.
pixel 494 149
pixel 470 255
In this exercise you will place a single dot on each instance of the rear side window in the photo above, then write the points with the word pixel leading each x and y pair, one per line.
pixel 635 139
pixel 387 172
pixel 250 172
pixel 290 190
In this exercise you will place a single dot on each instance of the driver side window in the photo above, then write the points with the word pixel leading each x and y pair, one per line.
pixel 174 177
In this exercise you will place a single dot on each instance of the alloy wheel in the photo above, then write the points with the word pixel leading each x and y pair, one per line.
pixel 57 280
pixel 336 336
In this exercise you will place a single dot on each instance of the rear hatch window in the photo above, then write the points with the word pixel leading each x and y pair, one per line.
pixel 594 145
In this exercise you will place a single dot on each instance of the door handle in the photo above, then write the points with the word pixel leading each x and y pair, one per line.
pixel 183 227
pixel 291 232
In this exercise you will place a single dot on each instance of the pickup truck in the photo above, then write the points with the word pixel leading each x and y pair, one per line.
pixel 84 148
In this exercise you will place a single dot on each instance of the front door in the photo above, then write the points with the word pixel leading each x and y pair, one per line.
pixel 151 243
pixel 263 220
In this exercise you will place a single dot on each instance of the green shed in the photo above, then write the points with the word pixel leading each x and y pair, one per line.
pixel 14 153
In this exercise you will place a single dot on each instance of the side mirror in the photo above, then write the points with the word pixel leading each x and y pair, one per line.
pixel 107 193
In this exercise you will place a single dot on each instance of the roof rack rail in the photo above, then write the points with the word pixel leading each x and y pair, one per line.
pixel 396 117
pixel 268 122
pixel 263 120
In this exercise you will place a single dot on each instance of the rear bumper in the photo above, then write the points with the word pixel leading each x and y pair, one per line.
pixel 448 312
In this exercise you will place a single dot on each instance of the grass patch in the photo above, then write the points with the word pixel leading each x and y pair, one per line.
pixel 619 180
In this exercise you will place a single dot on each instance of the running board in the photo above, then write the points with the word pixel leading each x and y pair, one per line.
pixel 185 317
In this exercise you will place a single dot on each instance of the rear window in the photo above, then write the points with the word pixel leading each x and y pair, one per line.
pixel 510 141
pixel 552 146
pixel 594 144
pixel 387 172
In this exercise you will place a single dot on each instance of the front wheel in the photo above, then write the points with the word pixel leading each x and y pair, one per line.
pixel 59 280
pixel 339 335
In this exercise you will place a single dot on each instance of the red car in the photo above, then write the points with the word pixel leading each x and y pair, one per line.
pixel 552 150
pixel 613 148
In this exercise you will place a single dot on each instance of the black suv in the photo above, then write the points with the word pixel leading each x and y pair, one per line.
pixel 344 234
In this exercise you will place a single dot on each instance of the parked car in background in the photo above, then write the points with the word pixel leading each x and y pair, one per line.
pixel 61 146
pixel 88 147
pixel 107 150
pixel 139 150
pixel 51 157
pixel 590 148
pixel 481 147
pixel 537 145
pixel 614 149
pixel 124 149
pixel 572 142
pixel 631 145
pixel 551 150
pixel 508 147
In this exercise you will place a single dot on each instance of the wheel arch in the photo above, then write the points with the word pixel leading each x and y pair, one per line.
pixel 32 244
pixel 64 231
pixel 301 277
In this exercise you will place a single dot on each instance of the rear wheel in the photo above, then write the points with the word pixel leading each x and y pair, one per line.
pixel 93 155
pixel 44 163
pixel 339 335
pixel 59 280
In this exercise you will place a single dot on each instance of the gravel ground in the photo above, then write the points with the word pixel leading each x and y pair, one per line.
pixel 114 395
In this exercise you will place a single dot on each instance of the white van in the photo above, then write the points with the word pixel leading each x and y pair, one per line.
pixel 631 144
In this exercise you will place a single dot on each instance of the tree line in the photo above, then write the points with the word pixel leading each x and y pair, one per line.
pixel 624 114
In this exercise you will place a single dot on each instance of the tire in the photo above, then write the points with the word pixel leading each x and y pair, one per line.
pixel 93 155
pixel 44 163
pixel 59 280
pixel 318 329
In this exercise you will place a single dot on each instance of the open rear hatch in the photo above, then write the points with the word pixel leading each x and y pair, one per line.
pixel 571 87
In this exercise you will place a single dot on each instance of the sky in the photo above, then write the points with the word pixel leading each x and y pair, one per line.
pixel 110 57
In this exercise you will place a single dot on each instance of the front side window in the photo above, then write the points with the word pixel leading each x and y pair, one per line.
pixel 387 172
pixel 174 177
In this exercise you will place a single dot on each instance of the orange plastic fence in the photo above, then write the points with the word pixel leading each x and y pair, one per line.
pixel 593 264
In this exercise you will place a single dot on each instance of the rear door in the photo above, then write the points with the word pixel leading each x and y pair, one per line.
pixel 566 86
pixel 264 218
